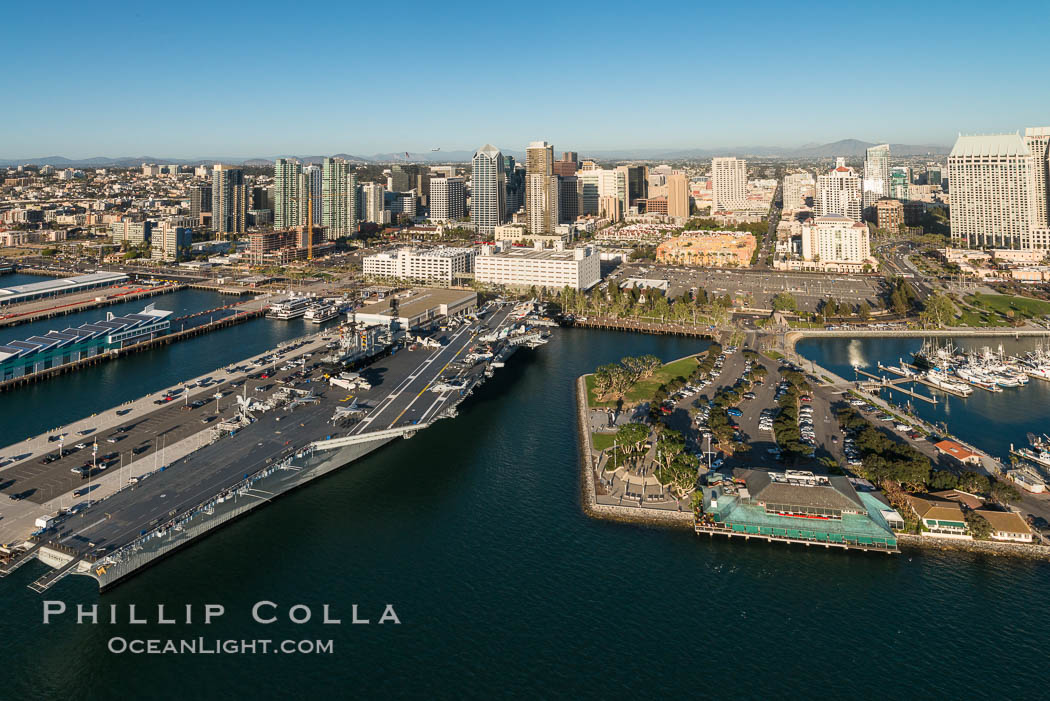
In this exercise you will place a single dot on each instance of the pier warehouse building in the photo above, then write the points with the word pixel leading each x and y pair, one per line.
pixel 57 348
pixel 796 506
pixel 54 288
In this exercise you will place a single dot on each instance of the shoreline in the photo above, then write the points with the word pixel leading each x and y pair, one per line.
pixel 791 338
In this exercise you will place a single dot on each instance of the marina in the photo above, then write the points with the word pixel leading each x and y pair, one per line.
pixel 992 419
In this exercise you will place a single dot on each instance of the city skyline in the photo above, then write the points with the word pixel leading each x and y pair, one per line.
pixel 173 103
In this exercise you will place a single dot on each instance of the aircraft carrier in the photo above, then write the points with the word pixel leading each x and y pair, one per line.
pixel 290 417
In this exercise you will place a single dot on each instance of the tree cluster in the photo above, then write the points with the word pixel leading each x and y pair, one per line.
pixel 614 380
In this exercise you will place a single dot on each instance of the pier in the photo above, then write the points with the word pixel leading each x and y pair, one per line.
pixel 639 326
pixel 895 385
pixel 197 329
pixel 83 301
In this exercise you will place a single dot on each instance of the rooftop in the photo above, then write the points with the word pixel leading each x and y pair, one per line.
pixel 989 145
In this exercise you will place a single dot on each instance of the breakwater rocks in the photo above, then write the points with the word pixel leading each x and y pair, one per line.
pixel 613 512
pixel 985 547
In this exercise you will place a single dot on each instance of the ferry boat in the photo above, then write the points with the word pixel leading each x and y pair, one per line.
pixel 291 308
pixel 321 312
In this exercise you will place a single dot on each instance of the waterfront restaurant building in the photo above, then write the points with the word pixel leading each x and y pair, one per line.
pixel 796 506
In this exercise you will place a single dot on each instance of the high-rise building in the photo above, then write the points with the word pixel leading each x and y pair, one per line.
pixel 728 183
pixel 311 194
pixel 876 175
pixel 353 203
pixel 488 195
pixel 1038 141
pixel 637 183
pixel 334 216
pixel 372 203
pixel 839 193
pixel 900 180
pixel 991 191
pixel 448 199
pixel 399 179
pixel 933 175
pixel 836 243
pixel 200 202
pixel 795 186
pixel 596 184
pixel 229 200
pixel 678 195
pixel 567 165
pixel 568 199
pixel 541 188
pixel 287 200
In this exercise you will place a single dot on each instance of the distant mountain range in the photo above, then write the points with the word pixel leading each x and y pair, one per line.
pixel 849 148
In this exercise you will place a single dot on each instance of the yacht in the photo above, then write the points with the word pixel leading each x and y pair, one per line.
pixel 940 380
pixel 321 312
pixel 291 308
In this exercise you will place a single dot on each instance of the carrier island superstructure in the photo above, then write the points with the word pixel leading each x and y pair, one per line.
pixel 153 475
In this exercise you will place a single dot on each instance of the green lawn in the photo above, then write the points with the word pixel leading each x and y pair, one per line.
pixel 601 441
pixel 773 354
pixel 1020 306
pixel 644 389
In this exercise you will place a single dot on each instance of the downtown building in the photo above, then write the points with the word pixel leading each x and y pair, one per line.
pixel 728 183
pixel 229 201
pixel 876 175
pixel 488 194
pixel 335 217
pixel 441 264
pixel 287 191
pixel 835 243
pixel 553 269
pixel 448 199
pixel 839 193
pixel 541 188
pixel 796 185
pixel 992 194
pixel 677 195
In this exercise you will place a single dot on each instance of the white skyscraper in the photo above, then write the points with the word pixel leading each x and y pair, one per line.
pixel 729 183
pixel 372 196
pixel 1038 141
pixel 876 175
pixel 448 199
pixel 488 190
pixel 991 191
pixel 838 192
pixel 795 184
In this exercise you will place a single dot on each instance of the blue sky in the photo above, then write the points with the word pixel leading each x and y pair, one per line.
pixel 193 79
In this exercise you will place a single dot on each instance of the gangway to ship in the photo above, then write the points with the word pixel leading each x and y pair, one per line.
pixel 357 439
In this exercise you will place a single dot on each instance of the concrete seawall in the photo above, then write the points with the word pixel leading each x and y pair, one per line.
pixel 987 547
pixel 793 337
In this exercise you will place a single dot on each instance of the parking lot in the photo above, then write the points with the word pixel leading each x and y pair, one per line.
pixel 757 288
